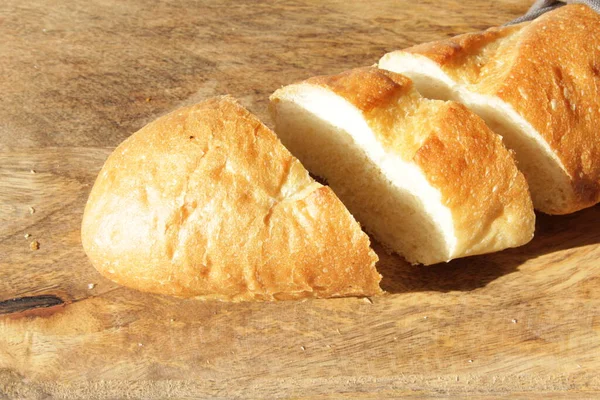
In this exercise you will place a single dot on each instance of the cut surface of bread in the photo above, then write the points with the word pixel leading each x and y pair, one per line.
pixel 426 177
pixel 538 85
pixel 206 202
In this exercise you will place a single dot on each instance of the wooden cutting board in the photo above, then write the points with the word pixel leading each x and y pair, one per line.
pixel 78 77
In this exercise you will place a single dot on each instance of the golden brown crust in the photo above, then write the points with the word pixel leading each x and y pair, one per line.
pixel 481 183
pixel 458 154
pixel 473 57
pixel 549 72
pixel 367 88
pixel 206 202
pixel 389 103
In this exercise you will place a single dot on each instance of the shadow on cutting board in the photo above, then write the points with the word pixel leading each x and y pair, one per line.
pixel 553 234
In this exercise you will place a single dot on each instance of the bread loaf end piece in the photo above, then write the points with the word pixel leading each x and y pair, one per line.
pixel 206 202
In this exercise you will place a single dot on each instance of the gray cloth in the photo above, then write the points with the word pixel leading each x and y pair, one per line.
pixel 541 6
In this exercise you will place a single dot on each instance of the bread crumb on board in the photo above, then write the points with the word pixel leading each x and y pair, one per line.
pixel 35 245
pixel 27 236
pixel 91 286
pixel 31 210
pixel 514 321
pixel 32 171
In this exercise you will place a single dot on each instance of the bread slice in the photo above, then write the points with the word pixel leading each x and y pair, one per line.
pixel 206 202
pixel 538 85
pixel 426 177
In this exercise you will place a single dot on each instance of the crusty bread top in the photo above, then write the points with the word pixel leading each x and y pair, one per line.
pixel 367 88
pixel 388 102
pixel 459 155
pixel 207 202
pixel 548 70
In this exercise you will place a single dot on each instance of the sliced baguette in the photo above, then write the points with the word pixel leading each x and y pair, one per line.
pixel 538 85
pixel 427 178
pixel 206 202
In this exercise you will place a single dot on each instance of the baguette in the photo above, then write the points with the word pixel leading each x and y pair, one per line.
pixel 206 202
pixel 538 85
pixel 426 177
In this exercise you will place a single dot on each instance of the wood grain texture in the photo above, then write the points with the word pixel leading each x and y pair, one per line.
pixel 523 323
